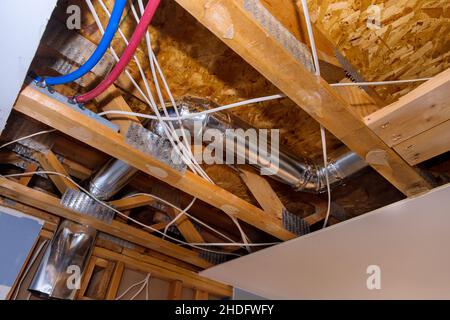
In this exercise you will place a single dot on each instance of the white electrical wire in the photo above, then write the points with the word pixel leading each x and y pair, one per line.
pixel 149 99
pixel 179 215
pixel 36 254
pixel 129 218
pixel 129 288
pixel 325 163
pixel 154 61
pixel 27 137
pixel 185 212
pixel 377 83
pixel 196 114
pixel 169 131
pixel 322 129
pixel 311 37
pixel 145 283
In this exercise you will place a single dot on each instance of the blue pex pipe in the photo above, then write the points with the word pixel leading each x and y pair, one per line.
pixel 104 44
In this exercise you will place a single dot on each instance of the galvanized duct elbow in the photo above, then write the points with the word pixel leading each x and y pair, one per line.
pixel 299 174
pixel 64 260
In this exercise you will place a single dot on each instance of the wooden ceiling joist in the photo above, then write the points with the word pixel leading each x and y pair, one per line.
pixel 132 202
pixel 51 204
pixel 61 117
pixel 251 41
pixel 49 162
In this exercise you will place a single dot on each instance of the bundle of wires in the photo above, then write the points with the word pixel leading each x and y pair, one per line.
pixel 138 34
pixel 94 59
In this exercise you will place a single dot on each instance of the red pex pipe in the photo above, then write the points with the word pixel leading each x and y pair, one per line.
pixel 138 34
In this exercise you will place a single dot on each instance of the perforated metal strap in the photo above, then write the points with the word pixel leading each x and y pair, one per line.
pixel 294 223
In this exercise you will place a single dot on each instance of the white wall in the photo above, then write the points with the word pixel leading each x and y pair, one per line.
pixel 22 23
pixel 408 240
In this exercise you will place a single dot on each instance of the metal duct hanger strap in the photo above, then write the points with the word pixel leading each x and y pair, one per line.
pixel 84 204
pixel 294 223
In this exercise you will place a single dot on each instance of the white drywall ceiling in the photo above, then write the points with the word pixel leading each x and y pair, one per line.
pixel 22 23
pixel 408 240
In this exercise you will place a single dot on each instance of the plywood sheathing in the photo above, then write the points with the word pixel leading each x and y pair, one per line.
pixel 413 41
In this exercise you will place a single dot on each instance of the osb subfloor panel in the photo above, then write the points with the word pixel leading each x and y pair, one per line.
pixel 413 41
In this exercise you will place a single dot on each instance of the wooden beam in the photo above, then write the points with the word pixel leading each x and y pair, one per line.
pixel 112 99
pixel 167 271
pixel 32 167
pixel 159 225
pixel 418 111
pixel 63 118
pixel 34 198
pixel 76 170
pixel 361 104
pixel 200 295
pixel 98 286
pixel 132 202
pixel 115 281
pixel 186 228
pixel 175 290
pixel 49 162
pixel 263 192
pixel 86 278
pixel 426 145
pixel 310 92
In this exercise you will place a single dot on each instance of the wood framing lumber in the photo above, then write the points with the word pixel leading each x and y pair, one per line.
pixel 112 99
pixel 86 278
pixel 63 118
pixel 166 271
pixel 200 295
pixel 263 192
pixel 32 167
pixel 115 281
pixel 48 203
pixel 186 228
pixel 311 93
pixel 132 202
pixel 175 290
pixel 426 145
pixel 361 104
pixel 418 111
pixel 49 162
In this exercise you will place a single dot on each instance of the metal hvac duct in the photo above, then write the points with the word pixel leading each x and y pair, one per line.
pixel 111 179
pixel 288 169
pixel 64 261
pixel 299 174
